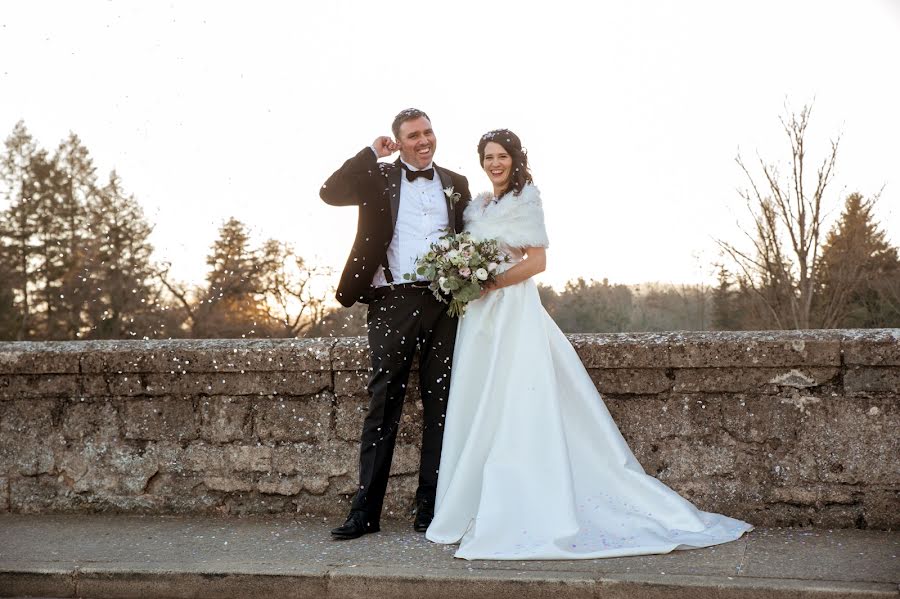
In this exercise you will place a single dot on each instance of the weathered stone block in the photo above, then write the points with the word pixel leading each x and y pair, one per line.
pixel 756 349
pixel 871 347
pixel 411 423
pixel 39 357
pixel 631 381
pixel 350 353
pixel 277 484
pixel 32 457
pixel 104 470
pixel 155 419
pixel 27 418
pixel 207 355
pixel 326 504
pixel 249 458
pixel 225 419
pixel 307 460
pixel 655 419
pixel 99 420
pixel 879 509
pixel 169 455
pixel 4 494
pixel 128 384
pixel 351 382
pixel 228 484
pixel 753 419
pixel 406 459
pixel 180 493
pixel 28 432
pixel 307 419
pixel 738 380
pixel 25 386
pixel 349 414
pixel 400 498
pixel 722 494
pixel 863 379
pixel 685 459
pixel 231 383
pixel 95 386
pixel 34 494
pixel 344 485
pixel 815 495
pixel 621 350
pixel 205 458
pixel 850 441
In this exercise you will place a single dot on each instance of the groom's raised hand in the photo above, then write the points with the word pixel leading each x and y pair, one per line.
pixel 384 146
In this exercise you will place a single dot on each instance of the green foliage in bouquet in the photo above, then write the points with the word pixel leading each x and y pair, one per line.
pixel 458 268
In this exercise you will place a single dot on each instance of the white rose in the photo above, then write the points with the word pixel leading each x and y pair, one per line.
pixel 482 274
pixel 492 266
pixel 452 254
pixel 444 244
pixel 442 283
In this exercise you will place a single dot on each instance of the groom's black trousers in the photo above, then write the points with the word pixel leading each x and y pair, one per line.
pixel 400 320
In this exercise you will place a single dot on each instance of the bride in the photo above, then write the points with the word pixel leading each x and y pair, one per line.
pixel 533 466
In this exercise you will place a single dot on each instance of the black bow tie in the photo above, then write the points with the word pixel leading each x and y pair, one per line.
pixel 413 175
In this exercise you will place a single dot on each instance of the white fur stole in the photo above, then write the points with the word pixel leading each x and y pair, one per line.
pixel 514 221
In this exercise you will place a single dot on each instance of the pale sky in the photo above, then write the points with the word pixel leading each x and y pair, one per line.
pixel 632 112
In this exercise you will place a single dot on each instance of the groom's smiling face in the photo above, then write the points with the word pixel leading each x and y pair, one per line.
pixel 417 142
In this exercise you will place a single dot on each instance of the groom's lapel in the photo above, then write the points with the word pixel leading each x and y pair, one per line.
pixel 394 192
pixel 445 183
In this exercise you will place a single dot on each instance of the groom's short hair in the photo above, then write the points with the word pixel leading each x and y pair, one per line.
pixel 406 115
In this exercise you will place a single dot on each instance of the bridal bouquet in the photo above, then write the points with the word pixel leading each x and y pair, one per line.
pixel 459 268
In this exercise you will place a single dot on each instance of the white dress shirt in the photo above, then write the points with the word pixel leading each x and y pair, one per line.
pixel 421 220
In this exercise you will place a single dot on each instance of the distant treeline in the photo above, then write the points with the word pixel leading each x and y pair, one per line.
pixel 76 263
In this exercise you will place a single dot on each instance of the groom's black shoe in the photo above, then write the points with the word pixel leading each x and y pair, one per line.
pixel 424 516
pixel 357 525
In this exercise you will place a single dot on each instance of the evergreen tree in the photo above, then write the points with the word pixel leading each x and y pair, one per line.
pixel 725 316
pixel 859 271
pixel 79 189
pixel 122 297
pixel 17 226
pixel 231 306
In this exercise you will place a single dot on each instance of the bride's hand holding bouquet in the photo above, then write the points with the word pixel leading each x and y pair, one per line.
pixel 460 269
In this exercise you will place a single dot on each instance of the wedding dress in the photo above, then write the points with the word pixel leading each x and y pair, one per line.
pixel 533 466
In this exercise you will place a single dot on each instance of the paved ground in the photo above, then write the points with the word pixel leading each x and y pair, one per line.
pixel 154 557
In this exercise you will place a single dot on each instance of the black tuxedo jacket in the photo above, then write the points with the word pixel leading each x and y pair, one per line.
pixel 375 188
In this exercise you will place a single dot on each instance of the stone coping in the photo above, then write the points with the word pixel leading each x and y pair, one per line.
pixel 757 349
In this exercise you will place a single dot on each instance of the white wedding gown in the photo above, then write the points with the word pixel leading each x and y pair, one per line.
pixel 533 466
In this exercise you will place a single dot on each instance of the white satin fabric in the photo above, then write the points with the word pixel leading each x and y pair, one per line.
pixel 533 466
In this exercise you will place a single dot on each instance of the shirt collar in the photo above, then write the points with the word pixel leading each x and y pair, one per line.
pixel 412 168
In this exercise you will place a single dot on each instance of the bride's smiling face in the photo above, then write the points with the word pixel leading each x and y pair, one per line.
pixel 497 164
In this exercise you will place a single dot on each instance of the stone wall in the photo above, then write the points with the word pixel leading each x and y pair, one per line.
pixel 779 428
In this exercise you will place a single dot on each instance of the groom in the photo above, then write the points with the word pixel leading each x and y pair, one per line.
pixel 403 209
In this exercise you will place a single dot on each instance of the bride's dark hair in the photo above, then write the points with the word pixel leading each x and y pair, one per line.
pixel 513 145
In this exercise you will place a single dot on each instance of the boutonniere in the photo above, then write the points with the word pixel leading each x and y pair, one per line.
pixel 454 197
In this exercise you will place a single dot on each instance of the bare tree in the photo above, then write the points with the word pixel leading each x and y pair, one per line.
pixel 293 299
pixel 180 294
pixel 788 213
